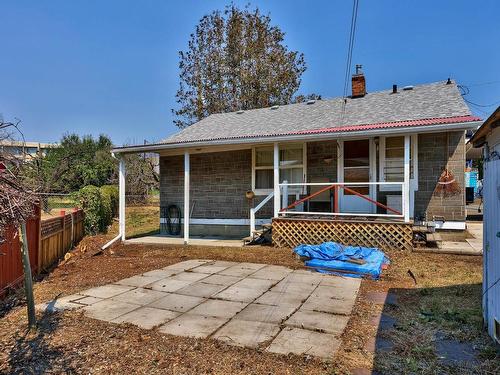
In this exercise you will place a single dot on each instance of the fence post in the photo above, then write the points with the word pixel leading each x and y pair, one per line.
pixel 40 250
pixel 63 218
pixel 252 221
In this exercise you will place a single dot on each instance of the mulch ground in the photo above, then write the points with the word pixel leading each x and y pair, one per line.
pixel 71 343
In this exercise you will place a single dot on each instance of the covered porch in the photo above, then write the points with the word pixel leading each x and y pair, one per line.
pixel 346 180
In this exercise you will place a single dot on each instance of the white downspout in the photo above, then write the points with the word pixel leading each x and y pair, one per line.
pixel 121 208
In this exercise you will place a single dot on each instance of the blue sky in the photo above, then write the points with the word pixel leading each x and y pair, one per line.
pixel 111 66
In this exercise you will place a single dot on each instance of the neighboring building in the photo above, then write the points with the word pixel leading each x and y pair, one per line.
pixel 26 149
pixel 376 156
pixel 488 137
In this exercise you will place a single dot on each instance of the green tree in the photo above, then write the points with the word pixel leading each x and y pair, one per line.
pixel 236 59
pixel 78 162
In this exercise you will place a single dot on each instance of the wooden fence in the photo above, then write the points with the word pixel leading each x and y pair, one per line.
pixel 58 235
pixel 48 241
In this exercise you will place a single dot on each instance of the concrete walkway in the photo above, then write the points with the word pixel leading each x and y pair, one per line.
pixel 197 241
pixel 245 304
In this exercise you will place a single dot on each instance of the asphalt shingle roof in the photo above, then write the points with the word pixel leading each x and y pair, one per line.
pixel 428 101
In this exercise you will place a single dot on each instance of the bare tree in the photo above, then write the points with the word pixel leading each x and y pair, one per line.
pixel 17 205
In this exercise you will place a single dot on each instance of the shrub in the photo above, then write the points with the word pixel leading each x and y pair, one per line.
pixel 112 192
pixel 92 202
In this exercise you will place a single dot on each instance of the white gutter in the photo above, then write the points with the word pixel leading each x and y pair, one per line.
pixel 109 243
pixel 301 137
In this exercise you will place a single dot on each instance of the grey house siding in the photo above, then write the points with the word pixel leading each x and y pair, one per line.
pixel 432 160
pixel 317 166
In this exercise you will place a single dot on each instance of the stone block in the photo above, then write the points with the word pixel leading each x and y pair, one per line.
pixel 177 302
pixel 219 308
pixel 107 291
pixel 246 333
pixel 265 313
pixel 301 341
pixel 109 309
pixel 318 321
pixel 192 325
pixel 140 296
pixel 147 317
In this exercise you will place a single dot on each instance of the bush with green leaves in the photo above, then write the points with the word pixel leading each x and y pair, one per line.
pixel 111 191
pixel 97 208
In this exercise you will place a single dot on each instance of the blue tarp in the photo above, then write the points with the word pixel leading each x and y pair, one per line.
pixel 331 257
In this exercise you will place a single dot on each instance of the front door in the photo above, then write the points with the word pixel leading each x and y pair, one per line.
pixel 356 165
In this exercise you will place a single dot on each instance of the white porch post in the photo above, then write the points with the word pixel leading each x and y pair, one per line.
pixel 276 170
pixel 121 191
pixel 186 197
pixel 406 181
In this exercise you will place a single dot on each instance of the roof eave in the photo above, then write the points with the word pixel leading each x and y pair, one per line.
pixel 297 137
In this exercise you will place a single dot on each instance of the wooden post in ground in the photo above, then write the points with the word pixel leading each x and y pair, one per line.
pixel 63 242
pixel 28 281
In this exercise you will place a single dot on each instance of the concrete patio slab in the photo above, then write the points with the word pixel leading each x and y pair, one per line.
pixel 265 313
pixel 162 273
pixel 246 333
pixel 193 241
pixel 88 300
pixel 237 271
pixel 168 285
pixel 333 292
pixel 187 264
pixel 243 294
pixel 260 284
pixel 189 276
pixel 281 299
pixel 61 304
pixel 254 305
pixel 302 276
pixel 139 296
pixel 192 325
pixel 285 286
pixel 139 280
pixel 209 269
pixel 318 321
pixel 276 273
pixel 109 309
pixel 147 317
pixel 219 308
pixel 177 302
pixel 222 280
pixel 201 290
pixel 333 306
pixel 302 341
pixel 107 291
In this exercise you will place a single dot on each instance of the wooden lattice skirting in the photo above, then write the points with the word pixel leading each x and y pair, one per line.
pixel 384 235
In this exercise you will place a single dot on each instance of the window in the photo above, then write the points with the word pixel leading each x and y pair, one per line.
pixel 392 160
pixel 291 165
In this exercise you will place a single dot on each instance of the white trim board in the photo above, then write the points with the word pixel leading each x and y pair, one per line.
pixel 451 225
pixel 163 220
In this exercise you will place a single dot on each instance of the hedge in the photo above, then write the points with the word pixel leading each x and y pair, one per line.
pixel 100 206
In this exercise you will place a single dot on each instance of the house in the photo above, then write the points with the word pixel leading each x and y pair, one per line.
pixel 488 137
pixel 24 150
pixel 371 161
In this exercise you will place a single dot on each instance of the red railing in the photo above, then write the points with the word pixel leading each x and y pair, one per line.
pixel 335 188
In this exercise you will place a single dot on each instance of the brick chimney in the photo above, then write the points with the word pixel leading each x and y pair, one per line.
pixel 358 83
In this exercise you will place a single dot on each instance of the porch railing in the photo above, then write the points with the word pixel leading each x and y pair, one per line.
pixel 391 212
pixel 255 209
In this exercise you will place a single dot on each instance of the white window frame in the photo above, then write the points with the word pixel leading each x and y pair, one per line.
pixel 295 190
pixel 414 153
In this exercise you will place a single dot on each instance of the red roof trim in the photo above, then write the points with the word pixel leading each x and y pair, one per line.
pixel 395 124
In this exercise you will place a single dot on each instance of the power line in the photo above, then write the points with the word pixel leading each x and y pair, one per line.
pixel 350 48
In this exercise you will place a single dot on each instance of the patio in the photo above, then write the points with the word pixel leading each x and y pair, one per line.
pixel 245 304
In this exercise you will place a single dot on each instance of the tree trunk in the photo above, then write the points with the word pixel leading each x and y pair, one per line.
pixel 28 281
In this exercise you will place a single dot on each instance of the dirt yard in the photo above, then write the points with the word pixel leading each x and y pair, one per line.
pixel 442 306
